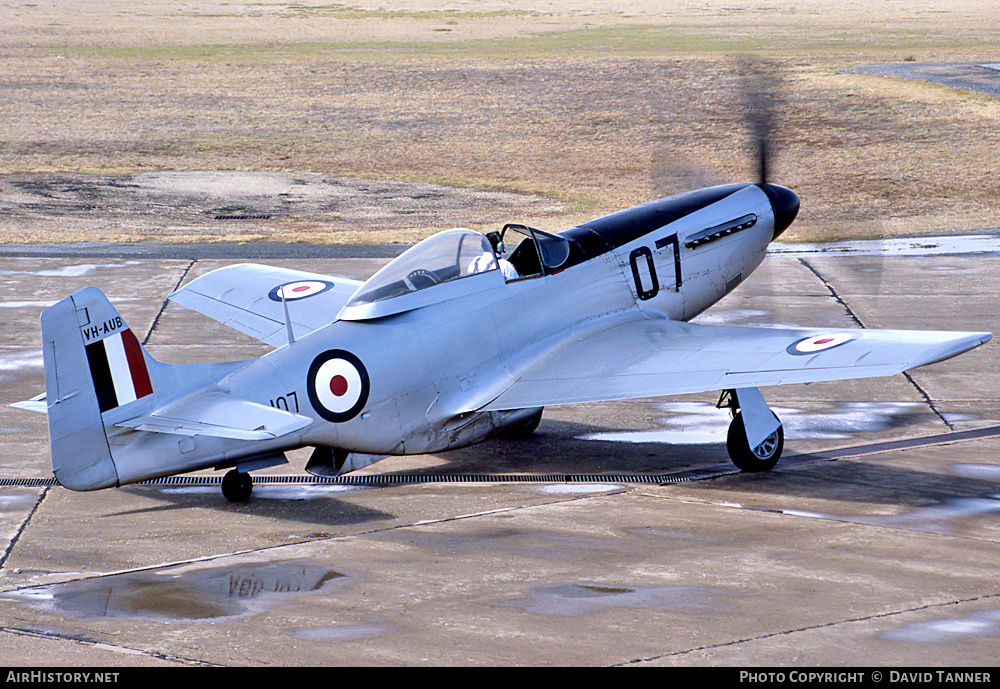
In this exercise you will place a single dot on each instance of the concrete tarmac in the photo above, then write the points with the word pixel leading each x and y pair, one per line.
pixel 859 549
pixel 975 76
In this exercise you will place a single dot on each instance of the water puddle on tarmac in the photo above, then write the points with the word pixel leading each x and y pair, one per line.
pixel 271 491
pixel 940 519
pixel 949 629
pixel 699 423
pixel 930 245
pixel 14 501
pixel 74 270
pixel 943 518
pixel 204 594
pixel 575 599
pixel 18 359
pixel 577 488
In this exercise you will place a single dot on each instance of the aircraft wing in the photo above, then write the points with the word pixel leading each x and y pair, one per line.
pixel 247 298
pixel 220 415
pixel 648 358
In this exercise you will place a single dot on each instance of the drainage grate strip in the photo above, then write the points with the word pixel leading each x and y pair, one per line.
pixel 243 216
pixel 699 474
pixel 29 482
pixel 404 479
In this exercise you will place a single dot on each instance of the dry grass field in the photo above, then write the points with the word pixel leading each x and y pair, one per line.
pixel 564 109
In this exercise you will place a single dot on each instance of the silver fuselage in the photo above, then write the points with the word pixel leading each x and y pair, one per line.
pixel 432 367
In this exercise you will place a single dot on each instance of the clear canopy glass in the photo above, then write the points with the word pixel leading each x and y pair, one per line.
pixel 446 256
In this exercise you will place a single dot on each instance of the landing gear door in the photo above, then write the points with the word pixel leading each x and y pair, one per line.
pixel 758 419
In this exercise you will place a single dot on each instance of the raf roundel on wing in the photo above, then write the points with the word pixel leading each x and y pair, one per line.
pixel 819 343
pixel 299 290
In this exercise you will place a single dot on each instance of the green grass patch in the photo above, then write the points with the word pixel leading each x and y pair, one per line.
pixel 620 41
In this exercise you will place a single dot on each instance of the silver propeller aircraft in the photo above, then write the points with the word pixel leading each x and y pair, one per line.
pixel 453 342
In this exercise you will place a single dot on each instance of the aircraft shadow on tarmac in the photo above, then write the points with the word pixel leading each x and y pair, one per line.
pixel 553 449
pixel 853 481
pixel 556 449
pixel 317 505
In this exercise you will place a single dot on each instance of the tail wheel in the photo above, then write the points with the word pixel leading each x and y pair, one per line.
pixel 237 486
pixel 761 458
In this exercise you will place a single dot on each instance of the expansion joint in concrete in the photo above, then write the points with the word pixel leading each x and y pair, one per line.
pixel 163 306
pixel 854 317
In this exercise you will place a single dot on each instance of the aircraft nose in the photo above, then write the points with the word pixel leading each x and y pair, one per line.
pixel 784 203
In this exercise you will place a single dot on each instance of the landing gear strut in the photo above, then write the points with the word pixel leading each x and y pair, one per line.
pixel 236 486
pixel 754 444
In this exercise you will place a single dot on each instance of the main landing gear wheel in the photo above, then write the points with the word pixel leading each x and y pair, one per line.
pixel 761 458
pixel 236 486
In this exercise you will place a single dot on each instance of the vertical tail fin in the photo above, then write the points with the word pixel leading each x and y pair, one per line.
pixel 93 365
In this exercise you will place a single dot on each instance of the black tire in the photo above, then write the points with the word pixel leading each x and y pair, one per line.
pixel 761 458
pixel 237 486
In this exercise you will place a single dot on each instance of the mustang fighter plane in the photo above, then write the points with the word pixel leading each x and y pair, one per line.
pixel 453 342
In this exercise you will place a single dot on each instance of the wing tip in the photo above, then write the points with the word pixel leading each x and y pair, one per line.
pixel 959 344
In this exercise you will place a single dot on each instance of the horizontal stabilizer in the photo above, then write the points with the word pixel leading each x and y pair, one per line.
pixel 249 298
pixel 37 403
pixel 220 415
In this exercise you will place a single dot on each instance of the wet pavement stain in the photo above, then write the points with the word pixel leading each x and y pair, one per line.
pixel 540 544
pixel 578 599
pixel 345 633
pixel 206 594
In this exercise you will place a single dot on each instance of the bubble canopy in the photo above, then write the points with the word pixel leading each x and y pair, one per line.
pixel 446 256
pixel 441 259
